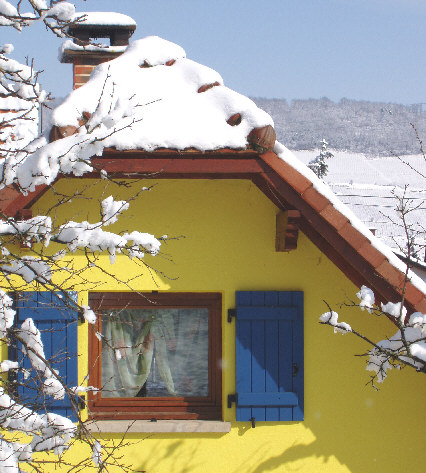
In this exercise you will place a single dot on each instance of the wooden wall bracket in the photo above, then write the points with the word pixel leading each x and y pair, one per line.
pixel 287 230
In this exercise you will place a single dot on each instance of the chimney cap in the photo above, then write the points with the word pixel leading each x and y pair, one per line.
pixel 115 26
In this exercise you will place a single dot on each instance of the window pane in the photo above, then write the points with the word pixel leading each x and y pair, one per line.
pixel 155 352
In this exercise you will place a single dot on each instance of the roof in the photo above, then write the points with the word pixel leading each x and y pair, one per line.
pixel 170 101
pixel 163 113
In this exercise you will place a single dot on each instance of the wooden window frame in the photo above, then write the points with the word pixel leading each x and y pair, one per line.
pixel 158 408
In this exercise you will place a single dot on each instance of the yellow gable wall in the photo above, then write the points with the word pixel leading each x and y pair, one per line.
pixel 228 244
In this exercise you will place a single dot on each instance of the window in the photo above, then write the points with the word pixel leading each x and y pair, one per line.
pixel 158 356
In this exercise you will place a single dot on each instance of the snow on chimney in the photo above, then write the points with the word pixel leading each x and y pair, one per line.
pixel 84 53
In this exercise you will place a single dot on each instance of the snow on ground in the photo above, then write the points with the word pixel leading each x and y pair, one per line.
pixel 369 186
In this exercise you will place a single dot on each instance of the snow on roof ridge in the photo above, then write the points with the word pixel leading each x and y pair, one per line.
pixel 286 155
pixel 101 18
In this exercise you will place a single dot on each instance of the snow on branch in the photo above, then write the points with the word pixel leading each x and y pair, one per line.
pixel 56 16
pixel 331 318
pixel 407 347
pixel 92 237
pixel 28 160
pixel 7 314
pixel 111 209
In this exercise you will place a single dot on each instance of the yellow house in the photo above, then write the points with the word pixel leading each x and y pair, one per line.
pixel 237 373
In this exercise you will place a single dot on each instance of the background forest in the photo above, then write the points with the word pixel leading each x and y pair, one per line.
pixel 372 128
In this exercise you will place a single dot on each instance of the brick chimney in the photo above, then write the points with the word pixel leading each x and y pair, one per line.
pixel 83 52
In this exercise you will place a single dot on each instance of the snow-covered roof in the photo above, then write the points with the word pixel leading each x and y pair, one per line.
pixel 164 104
pixel 152 97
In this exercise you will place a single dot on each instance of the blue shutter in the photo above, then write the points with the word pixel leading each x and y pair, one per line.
pixel 269 355
pixel 58 326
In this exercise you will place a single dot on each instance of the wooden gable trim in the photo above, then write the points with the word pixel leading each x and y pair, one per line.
pixel 328 229
pixel 182 167
pixel 22 201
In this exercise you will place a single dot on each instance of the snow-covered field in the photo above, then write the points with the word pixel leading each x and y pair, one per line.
pixel 370 187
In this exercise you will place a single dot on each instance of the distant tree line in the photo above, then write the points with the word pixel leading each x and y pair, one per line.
pixel 358 126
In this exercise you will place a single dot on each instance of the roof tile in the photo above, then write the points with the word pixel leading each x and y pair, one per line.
pixel 413 295
pixel 391 274
pixel 371 254
pixel 334 217
pixel 315 199
pixel 205 87
pixel 296 180
pixel 353 236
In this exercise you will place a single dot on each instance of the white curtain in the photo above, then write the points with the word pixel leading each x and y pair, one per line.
pixel 159 352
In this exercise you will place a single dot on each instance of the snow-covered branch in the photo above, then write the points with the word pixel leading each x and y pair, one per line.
pixel 407 347
pixel 27 161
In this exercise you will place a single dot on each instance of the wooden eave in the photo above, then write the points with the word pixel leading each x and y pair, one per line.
pixel 323 224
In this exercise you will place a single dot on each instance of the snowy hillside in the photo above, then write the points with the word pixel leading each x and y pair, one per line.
pixel 361 127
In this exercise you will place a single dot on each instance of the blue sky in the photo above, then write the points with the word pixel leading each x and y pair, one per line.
pixel 360 49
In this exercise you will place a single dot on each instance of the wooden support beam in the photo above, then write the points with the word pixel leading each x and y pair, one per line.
pixel 287 230
pixel 184 167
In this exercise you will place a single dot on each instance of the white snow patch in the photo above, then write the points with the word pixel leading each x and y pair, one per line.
pixel 88 314
pixel 7 365
pixel 366 297
pixel 331 318
pixel 111 209
pixel 104 18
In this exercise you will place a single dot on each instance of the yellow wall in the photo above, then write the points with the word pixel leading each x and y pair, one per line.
pixel 228 244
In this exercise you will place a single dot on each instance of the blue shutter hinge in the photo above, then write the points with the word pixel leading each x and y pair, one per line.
pixel 81 318
pixel 253 422
pixel 81 402
pixel 232 313
pixel 232 398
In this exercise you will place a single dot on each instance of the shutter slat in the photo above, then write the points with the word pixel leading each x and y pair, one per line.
pixel 258 298
pixel 243 365
pixel 258 371
pixel 298 380
pixel 286 362
pixel 267 399
pixel 271 364
pixel 267 313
